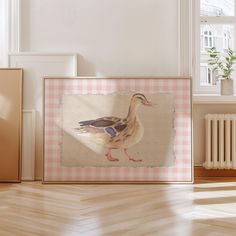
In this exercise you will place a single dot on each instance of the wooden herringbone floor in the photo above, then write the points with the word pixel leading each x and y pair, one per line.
pixel 205 208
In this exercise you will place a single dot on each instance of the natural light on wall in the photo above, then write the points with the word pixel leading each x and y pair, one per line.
pixel 3 32
pixel 5 107
pixel 217 29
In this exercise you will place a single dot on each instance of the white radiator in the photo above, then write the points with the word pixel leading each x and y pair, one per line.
pixel 220 141
pixel 28 145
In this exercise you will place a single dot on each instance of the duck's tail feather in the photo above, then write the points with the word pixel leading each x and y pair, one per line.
pixel 88 130
pixel 81 129
pixel 86 122
pixel 84 126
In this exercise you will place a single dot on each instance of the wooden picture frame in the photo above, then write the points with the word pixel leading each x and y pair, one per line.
pixel 57 93
pixel 10 124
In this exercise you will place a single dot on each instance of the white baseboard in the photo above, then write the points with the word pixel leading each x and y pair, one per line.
pixel 27 179
pixel 198 165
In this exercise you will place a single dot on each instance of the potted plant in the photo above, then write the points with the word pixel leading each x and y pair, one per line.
pixel 223 64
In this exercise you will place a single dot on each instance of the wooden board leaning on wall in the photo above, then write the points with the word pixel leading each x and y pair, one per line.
pixel 10 124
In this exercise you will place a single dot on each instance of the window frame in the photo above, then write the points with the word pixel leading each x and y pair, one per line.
pixel 197 22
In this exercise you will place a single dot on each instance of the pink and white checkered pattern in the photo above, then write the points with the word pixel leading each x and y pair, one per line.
pixel 56 88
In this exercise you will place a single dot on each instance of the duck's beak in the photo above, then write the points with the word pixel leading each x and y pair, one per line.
pixel 149 104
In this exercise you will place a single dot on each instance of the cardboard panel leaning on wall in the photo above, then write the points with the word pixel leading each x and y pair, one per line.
pixel 36 66
pixel 10 124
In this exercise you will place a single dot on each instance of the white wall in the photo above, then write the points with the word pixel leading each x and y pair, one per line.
pixel 116 37
pixel 112 37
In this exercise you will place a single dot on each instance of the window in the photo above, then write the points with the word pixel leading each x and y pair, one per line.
pixel 227 39
pixel 217 8
pixel 208 78
pixel 216 26
pixel 208 39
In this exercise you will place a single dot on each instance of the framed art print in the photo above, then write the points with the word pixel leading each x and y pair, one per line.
pixel 117 130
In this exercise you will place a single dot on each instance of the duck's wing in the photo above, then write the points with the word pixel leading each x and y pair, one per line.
pixel 86 122
pixel 116 128
pixel 101 122
pixel 120 127
pixel 113 131
pixel 110 125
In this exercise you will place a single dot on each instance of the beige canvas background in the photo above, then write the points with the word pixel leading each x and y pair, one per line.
pixel 155 149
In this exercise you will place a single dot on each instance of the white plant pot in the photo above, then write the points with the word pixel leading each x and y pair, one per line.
pixel 226 87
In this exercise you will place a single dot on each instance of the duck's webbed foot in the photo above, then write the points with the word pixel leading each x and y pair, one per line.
pixel 110 157
pixel 130 157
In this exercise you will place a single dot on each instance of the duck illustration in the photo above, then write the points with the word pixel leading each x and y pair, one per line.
pixel 118 133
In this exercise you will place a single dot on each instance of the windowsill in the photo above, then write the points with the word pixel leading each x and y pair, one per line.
pixel 214 99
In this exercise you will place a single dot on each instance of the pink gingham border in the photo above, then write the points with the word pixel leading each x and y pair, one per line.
pixel 55 88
